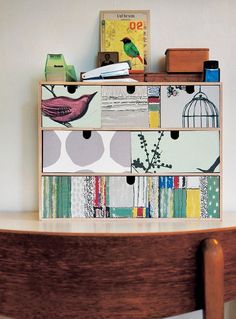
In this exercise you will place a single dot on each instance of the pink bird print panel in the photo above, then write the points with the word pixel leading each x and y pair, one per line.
pixel 81 109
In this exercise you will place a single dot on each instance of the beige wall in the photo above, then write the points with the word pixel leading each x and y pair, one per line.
pixel 29 29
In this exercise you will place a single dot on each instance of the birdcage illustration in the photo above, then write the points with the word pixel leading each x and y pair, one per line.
pixel 200 112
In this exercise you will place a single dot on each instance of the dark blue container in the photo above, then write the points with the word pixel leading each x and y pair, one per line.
pixel 211 71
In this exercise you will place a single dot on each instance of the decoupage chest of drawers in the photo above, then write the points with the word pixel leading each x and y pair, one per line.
pixel 136 150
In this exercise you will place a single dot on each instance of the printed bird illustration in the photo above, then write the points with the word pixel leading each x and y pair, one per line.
pixel 63 109
pixel 212 168
pixel 131 49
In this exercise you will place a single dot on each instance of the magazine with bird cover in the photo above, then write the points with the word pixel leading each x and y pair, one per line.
pixel 122 37
pixel 128 33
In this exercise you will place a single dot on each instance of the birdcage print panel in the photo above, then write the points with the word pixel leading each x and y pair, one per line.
pixel 190 106
pixel 69 106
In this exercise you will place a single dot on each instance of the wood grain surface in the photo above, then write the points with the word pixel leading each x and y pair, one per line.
pixel 173 77
pixel 135 276
pixel 213 279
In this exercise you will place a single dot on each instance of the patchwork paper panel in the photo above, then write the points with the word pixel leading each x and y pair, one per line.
pixel 190 106
pixel 154 106
pixel 81 109
pixel 213 189
pixel 130 106
pixel 115 197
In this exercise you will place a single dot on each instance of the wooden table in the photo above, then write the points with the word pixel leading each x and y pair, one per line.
pixel 136 269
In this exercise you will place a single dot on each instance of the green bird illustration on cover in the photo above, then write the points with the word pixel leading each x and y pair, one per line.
pixel 131 49
pixel 127 38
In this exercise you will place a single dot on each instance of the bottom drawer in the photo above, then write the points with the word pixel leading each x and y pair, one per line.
pixel 130 196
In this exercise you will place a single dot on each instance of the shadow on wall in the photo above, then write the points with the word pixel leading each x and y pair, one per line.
pixel 161 64
pixel 29 154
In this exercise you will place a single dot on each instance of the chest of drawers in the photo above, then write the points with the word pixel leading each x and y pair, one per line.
pixel 148 150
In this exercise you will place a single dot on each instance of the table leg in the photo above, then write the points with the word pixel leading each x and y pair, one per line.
pixel 213 277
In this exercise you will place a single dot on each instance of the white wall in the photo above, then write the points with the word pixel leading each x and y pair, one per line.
pixel 29 29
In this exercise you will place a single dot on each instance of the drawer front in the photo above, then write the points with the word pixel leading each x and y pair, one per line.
pixel 131 152
pixel 175 151
pixel 141 197
pixel 131 106
pixel 190 106
pixel 73 151
pixel 80 109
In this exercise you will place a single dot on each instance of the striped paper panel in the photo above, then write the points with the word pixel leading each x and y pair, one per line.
pixel 114 197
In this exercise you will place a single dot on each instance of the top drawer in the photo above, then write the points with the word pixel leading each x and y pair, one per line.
pixel 121 106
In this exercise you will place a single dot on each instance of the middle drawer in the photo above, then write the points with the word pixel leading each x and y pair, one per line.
pixel 134 152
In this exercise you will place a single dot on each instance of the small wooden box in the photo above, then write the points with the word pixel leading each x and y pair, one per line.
pixel 186 60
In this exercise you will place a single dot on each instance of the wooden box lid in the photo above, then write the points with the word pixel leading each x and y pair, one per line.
pixel 186 49
pixel 186 59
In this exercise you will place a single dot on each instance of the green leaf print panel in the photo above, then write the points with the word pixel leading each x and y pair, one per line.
pixel 185 151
